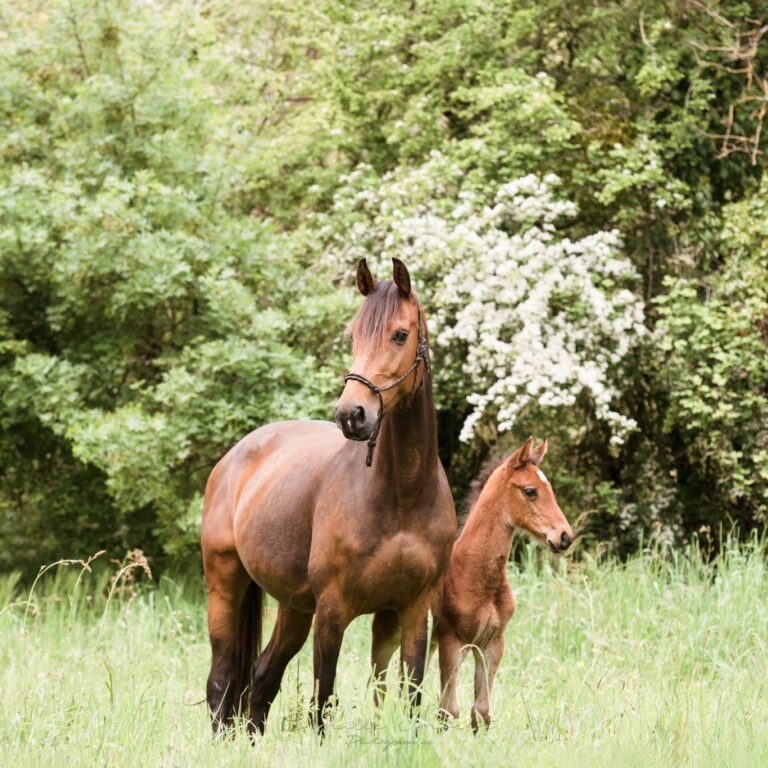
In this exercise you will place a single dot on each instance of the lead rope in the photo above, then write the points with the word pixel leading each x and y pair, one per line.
pixel 421 355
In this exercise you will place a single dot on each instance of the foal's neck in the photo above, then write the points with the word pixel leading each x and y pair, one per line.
pixel 486 540
pixel 405 462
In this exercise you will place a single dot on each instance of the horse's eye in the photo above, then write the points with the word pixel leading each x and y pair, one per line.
pixel 531 493
pixel 400 336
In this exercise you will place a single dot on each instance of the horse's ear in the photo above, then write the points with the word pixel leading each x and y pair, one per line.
pixel 401 277
pixel 522 455
pixel 365 281
pixel 537 454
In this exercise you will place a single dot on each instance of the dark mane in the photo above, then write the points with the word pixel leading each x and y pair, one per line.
pixel 374 317
pixel 480 481
pixel 476 488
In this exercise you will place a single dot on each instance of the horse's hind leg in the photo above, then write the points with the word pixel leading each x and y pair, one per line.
pixel 227 585
pixel 289 634
pixel 385 640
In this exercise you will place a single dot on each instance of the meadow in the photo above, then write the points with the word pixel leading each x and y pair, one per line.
pixel 659 660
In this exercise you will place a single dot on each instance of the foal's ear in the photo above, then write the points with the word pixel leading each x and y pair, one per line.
pixel 522 455
pixel 401 277
pixel 365 281
pixel 537 454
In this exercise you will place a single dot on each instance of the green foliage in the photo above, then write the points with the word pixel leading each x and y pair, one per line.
pixel 182 187
pixel 715 364
pixel 149 322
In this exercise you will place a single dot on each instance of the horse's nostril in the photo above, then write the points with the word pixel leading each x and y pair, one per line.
pixel 358 417
pixel 565 540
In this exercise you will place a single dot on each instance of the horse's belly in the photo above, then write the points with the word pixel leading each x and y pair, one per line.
pixel 279 574
pixel 292 593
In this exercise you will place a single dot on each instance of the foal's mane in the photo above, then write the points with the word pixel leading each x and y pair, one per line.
pixel 480 481
pixel 377 312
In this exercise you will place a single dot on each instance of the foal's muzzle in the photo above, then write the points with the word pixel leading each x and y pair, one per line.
pixel 561 544
pixel 355 422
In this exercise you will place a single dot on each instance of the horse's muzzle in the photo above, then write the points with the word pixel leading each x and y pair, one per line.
pixel 355 422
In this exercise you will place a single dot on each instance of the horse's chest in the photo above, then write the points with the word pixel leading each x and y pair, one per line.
pixel 398 569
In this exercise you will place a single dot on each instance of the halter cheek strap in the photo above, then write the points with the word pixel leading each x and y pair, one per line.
pixel 421 356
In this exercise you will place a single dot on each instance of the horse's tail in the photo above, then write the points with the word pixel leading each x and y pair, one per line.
pixel 247 640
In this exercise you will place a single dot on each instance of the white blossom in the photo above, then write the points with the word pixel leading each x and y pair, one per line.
pixel 525 316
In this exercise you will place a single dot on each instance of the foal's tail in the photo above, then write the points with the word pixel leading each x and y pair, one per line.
pixel 247 640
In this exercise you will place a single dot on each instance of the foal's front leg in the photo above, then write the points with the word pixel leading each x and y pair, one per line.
pixel 486 665
pixel 452 652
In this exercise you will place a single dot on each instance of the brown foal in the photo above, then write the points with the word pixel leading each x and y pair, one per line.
pixel 477 599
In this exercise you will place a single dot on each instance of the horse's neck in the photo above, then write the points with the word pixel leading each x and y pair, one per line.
pixel 485 541
pixel 405 463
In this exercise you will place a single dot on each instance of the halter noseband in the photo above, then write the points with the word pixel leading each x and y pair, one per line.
pixel 421 356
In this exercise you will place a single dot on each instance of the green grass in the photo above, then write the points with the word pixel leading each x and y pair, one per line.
pixel 659 661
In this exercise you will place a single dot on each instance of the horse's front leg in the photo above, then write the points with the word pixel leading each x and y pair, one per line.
pixel 413 647
pixel 332 616
pixel 385 640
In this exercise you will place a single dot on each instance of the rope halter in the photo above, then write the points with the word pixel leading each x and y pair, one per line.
pixel 421 356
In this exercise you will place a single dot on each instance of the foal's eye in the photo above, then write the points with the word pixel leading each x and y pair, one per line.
pixel 531 493
pixel 400 336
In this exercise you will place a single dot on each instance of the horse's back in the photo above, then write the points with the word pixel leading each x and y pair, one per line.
pixel 277 452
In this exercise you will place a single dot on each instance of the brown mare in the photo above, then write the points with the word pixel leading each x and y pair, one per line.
pixel 477 599
pixel 293 510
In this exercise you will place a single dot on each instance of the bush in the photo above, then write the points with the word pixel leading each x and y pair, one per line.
pixel 184 190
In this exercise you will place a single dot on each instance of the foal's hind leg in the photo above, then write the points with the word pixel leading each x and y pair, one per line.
pixel 385 640
pixel 486 665
pixel 288 636
pixel 227 584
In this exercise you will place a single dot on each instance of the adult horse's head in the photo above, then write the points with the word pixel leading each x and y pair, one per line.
pixel 530 502
pixel 389 353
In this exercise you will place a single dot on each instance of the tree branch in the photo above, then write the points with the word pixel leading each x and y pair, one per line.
pixel 738 55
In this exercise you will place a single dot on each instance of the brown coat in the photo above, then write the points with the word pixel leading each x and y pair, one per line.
pixel 477 599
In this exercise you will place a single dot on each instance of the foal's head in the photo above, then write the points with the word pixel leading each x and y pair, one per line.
pixel 385 345
pixel 529 502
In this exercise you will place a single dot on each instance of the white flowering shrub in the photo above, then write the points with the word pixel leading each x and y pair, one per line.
pixel 523 316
